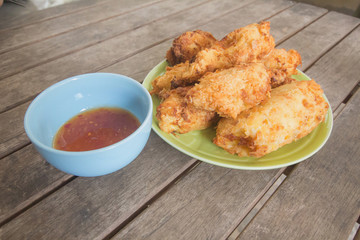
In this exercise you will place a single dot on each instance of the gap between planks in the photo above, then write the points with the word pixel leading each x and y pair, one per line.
pixel 257 204
pixel 330 48
pixel 17 148
pixel 67 179
pixel 282 174
pixel 166 39
pixel 267 192
pixel 278 180
pixel 33 200
pixel 72 29
pixel 90 44
pixel 117 225
pixel 354 235
pixel 357 233
pixel 126 218
pixel 300 29
pixel 118 60
pixel 6 28
pixel 342 105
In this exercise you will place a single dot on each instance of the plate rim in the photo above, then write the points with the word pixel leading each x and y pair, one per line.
pixel 161 134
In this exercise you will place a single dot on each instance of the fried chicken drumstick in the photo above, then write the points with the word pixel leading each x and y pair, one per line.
pixel 292 112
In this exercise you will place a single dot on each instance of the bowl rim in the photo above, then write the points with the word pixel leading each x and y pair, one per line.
pixel 51 88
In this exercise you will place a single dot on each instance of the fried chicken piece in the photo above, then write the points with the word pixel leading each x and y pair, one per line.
pixel 176 115
pixel 187 74
pixel 292 112
pixel 231 91
pixel 283 64
pixel 187 45
pixel 247 44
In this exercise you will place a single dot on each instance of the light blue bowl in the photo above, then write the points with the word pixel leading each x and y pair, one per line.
pixel 65 99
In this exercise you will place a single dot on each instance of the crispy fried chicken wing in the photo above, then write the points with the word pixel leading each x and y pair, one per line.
pixel 283 64
pixel 231 91
pixel 292 112
pixel 187 45
pixel 247 44
pixel 176 115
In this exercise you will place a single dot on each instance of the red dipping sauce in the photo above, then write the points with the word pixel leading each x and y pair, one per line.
pixel 95 128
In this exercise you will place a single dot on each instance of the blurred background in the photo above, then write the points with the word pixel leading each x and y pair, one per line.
pixel 14 8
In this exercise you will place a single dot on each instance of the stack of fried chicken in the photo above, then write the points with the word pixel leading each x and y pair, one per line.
pixel 243 84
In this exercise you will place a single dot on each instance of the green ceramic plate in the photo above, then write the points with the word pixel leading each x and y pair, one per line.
pixel 198 144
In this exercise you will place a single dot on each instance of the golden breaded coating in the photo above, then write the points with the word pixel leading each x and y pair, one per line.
pixel 187 45
pixel 187 74
pixel 175 115
pixel 283 64
pixel 247 44
pixel 231 91
pixel 292 112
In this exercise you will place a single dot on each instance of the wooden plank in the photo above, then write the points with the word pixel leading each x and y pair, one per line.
pixel 25 85
pixel 131 67
pixel 157 145
pixel 339 77
pixel 25 175
pixel 12 133
pixel 46 14
pixel 203 205
pixel 347 51
pixel 135 65
pixel 321 197
pixel 8 143
pixel 299 15
pixel 86 206
pixel 18 60
pixel 179 219
pixel 316 39
pixel 10 139
pixel 44 172
pixel 357 235
pixel 135 232
pixel 230 22
pixel 16 37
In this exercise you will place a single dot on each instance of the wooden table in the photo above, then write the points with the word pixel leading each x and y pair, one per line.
pixel 165 194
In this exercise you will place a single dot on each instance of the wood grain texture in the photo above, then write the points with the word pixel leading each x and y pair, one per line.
pixel 36 176
pixel 13 38
pixel 293 20
pixel 18 60
pixel 239 18
pixel 316 39
pixel 134 69
pixel 322 191
pixel 43 15
pixel 340 79
pixel 357 235
pixel 11 138
pixel 339 70
pixel 25 85
pixel 12 130
pixel 203 205
pixel 255 12
pixel 209 200
pixel 82 204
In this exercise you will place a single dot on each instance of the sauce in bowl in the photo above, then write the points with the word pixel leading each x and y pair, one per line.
pixel 95 128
